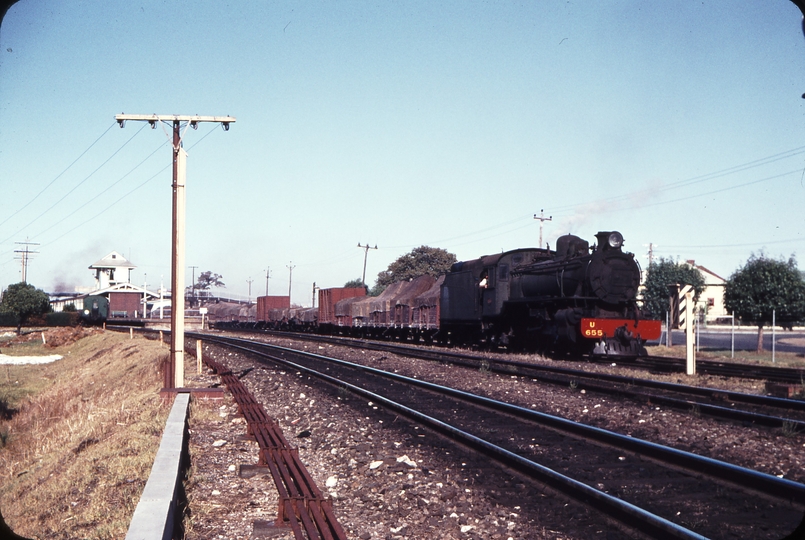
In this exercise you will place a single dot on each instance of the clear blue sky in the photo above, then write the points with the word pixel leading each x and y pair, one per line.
pixel 448 124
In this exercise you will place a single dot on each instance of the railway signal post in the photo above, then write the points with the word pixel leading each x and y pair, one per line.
pixel 174 375
pixel 682 307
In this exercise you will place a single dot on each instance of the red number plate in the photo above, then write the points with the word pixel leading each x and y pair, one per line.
pixel 599 328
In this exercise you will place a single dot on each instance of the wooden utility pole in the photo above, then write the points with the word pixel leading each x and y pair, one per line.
pixel 25 256
pixel 651 247
pixel 193 286
pixel 365 255
pixel 290 266
pixel 174 375
pixel 268 273
pixel 542 219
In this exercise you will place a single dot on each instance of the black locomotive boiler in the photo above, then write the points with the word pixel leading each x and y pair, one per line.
pixel 576 298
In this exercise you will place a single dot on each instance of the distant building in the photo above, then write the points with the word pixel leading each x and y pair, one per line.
pixel 113 280
pixel 111 270
pixel 712 298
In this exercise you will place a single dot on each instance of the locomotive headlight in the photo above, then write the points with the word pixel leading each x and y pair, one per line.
pixel 86 312
pixel 615 240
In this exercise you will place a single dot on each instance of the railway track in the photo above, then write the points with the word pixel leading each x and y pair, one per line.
pixel 610 472
pixel 719 368
pixel 773 412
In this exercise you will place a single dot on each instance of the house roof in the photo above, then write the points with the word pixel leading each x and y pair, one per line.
pixel 112 260
pixel 120 287
pixel 703 269
pixel 124 287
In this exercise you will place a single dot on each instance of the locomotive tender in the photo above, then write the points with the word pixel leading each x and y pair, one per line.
pixel 574 299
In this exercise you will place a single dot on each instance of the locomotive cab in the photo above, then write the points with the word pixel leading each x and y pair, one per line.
pixel 474 294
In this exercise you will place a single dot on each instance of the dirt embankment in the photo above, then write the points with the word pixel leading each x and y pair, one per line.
pixel 80 433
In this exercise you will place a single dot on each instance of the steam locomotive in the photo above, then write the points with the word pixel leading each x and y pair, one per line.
pixel 574 299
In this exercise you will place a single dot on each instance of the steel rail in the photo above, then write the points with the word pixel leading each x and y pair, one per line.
pixel 718 367
pixel 778 488
pixel 536 371
pixel 712 367
pixel 628 514
pixel 671 364
pixel 576 376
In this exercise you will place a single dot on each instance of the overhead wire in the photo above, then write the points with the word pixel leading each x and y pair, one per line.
pixel 634 196
pixel 126 195
pixel 681 183
pixel 693 180
pixel 105 190
pixel 774 177
pixel 74 187
pixel 26 205
pixel 743 244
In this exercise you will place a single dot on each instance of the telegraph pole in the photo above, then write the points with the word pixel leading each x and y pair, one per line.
pixel 249 281
pixel 174 375
pixel 290 266
pixel 268 273
pixel 542 219
pixel 193 286
pixel 25 256
pixel 366 249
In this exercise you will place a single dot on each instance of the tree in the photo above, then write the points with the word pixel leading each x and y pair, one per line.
pixel 355 284
pixel 419 262
pixel 208 279
pixel 662 274
pixel 24 301
pixel 764 287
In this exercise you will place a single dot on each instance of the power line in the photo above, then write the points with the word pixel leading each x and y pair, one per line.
pixel 745 244
pixel 25 257
pixel 366 249
pixel 290 266
pixel 105 190
pixel 23 207
pixel 542 219
pixel 124 196
pixel 698 179
pixel 74 188
pixel 730 188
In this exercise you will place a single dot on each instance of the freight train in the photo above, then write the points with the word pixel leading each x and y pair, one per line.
pixel 575 299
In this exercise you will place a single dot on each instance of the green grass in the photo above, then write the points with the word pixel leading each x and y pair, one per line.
pixel 78 448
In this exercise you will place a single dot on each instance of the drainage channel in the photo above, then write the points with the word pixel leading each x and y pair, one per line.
pixel 302 507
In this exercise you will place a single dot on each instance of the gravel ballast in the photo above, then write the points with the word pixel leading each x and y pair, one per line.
pixel 390 479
